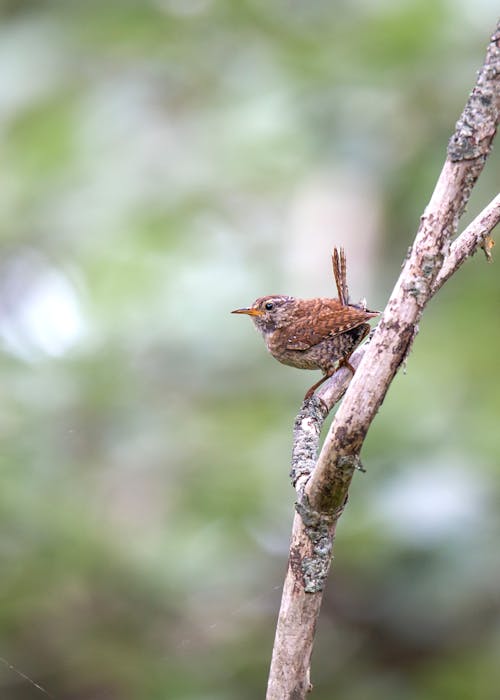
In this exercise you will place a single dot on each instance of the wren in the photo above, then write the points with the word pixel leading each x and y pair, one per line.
pixel 316 333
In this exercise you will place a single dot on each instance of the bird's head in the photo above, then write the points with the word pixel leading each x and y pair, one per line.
pixel 269 313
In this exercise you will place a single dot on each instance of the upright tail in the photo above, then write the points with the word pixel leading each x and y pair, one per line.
pixel 340 273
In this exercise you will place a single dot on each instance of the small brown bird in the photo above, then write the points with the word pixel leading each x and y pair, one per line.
pixel 312 333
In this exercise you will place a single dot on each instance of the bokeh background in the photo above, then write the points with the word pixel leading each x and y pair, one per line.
pixel 164 162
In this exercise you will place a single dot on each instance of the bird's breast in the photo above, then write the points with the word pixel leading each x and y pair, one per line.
pixel 276 343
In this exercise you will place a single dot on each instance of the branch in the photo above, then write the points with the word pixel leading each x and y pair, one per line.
pixel 323 495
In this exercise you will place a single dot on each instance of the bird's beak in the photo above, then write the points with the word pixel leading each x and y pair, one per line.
pixel 249 312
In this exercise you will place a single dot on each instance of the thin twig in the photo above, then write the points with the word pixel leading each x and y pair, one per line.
pixel 25 677
pixel 472 238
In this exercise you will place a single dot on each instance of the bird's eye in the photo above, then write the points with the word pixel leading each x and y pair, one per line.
pixel 269 306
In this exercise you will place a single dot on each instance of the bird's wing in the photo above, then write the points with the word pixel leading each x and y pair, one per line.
pixel 326 320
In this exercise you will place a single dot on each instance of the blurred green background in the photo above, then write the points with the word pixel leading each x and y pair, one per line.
pixel 164 162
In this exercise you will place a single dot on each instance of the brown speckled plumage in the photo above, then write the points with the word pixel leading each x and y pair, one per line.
pixel 316 333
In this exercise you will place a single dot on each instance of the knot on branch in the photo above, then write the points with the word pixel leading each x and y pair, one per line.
pixel 327 490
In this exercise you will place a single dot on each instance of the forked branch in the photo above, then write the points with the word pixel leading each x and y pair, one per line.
pixel 322 484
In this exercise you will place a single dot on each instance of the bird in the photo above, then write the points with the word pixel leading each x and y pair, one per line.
pixel 319 333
